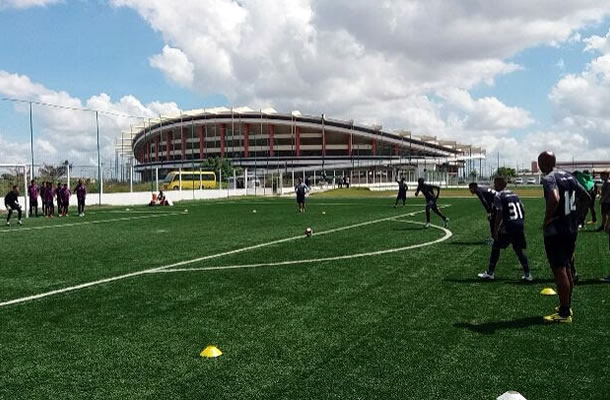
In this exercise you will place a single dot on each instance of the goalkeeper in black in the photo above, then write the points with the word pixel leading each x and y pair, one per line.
pixel 12 204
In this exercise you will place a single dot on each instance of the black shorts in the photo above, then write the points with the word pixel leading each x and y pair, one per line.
pixel 517 239
pixel 605 208
pixel 401 196
pixel 34 203
pixel 300 198
pixel 431 204
pixel 560 249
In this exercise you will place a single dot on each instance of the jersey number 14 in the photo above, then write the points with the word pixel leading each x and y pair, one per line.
pixel 515 211
pixel 569 202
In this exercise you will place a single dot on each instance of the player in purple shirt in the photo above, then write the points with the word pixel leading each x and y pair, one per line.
pixel 60 203
pixel 33 193
pixel 43 191
pixel 65 199
pixel 81 194
pixel 49 196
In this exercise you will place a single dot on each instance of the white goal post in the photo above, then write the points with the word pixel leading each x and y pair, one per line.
pixel 15 174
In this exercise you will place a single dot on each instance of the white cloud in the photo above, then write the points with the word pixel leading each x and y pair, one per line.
pixel 70 134
pixel 26 3
pixel 598 43
pixel 405 64
pixel 175 64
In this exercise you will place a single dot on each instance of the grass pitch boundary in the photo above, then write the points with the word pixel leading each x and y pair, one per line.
pixel 195 260
pixel 97 222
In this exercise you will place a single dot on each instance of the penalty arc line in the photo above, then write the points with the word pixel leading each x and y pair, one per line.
pixel 448 235
pixel 196 260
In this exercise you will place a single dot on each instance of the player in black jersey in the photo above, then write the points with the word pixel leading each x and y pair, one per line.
pixel 402 192
pixel 560 229
pixel 431 198
pixel 508 229
pixel 12 204
pixel 486 195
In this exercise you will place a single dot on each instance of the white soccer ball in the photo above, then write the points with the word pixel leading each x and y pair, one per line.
pixel 186 210
pixel 323 212
pixel 253 211
pixel 127 209
pixel 308 232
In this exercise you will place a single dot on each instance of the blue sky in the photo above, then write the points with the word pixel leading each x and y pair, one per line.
pixel 207 57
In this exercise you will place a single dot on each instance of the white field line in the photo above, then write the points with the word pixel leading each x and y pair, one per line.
pixel 196 260
pixel 97 222
pixel 447 235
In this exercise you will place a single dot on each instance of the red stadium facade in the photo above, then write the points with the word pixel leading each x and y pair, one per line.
pixel 269 140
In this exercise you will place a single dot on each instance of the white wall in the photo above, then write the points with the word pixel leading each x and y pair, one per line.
pixel 143 198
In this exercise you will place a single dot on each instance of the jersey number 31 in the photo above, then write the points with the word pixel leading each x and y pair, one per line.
pixel 515 211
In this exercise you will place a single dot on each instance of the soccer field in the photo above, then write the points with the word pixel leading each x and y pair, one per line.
pixel 372 306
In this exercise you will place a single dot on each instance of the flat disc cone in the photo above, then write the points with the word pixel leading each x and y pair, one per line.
pixel 548 292
pixel 211 352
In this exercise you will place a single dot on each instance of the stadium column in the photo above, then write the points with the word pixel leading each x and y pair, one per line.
pixel 349 144
pixel 271 131
pixel 323 142
pixel 246 140
pixel 201 142
pixel 183 140
pixel 298 141
pixel 395 149
pixel 157 148
pixel 170 145
pixel 222 140
pixel 374 147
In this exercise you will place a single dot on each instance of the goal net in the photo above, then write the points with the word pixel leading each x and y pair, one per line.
pixel 15 175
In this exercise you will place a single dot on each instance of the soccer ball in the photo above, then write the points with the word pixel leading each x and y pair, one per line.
pixel 323 212
pixel 127 209
pixel 308 232
pixel 253 211
pixel 186 210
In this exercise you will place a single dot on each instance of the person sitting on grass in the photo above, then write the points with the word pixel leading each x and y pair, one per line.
pixel 12 204
pixel 163 200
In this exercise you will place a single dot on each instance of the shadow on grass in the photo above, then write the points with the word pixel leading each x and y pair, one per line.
pixel 489 328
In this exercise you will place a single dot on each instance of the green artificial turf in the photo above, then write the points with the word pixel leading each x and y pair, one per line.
pixel 401 325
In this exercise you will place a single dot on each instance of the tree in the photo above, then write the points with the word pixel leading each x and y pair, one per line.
pixel 506 172
pixel 217 165
pixel 51 173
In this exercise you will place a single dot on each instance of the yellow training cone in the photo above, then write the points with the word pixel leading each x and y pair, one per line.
pixel 211 352
pixel 548 292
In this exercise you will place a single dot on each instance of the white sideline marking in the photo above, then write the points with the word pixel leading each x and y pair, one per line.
pixel 448 234
pixel 183 263
pixel 103 221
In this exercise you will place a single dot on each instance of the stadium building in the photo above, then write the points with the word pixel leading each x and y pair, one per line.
pixel 266 141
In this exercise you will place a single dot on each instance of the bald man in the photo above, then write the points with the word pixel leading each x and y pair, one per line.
pixel 560 229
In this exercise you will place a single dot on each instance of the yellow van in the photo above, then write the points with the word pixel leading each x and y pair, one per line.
pixel 190 180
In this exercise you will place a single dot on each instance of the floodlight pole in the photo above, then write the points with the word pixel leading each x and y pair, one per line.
pixel 32 140
pixel 99 159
